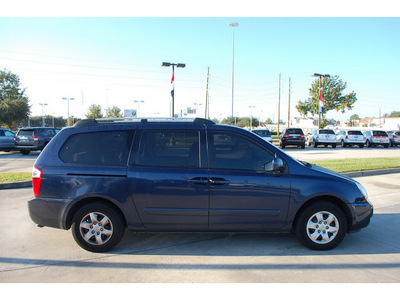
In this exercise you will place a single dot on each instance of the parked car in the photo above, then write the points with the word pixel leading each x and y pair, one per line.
pixel 292 137
pixel 264 134
pixel 394 138
pixel 350 137
pixel 326 137
pixel 33 138
pixel 376 137
pixel 7 140
pixel 99 177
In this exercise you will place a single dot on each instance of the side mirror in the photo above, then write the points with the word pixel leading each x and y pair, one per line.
pixel 277 165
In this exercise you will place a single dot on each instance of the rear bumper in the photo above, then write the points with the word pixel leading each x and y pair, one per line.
pixel 31 148
pixel 48 212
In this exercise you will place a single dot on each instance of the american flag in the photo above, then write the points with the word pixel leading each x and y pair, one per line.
pixel 173 83
pixel 321 102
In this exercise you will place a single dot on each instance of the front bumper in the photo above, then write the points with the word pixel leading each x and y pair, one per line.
pixel 363 213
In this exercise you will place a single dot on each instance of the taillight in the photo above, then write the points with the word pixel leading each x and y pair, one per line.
pixel 395 136
pixel 36 138
pixel 301 135
pixel 346 137
pixel 36 180
pixel 286 135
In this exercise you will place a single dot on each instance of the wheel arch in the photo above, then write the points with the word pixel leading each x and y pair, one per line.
pixel 72 211
pixel 334 200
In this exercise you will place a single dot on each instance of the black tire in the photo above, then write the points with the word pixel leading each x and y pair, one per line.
pixel 343 144
pixel 325 235
pixel 333 146
pixel 315 144
pixel 283 146
pixel 303 146
pixel 361 146
pixel 368 144
pixel 386 146
pixel 100 236
pixel 25 152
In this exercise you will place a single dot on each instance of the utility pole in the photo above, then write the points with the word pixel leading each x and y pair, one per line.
pixel 288 118
pixel 206 113
pixel 279 102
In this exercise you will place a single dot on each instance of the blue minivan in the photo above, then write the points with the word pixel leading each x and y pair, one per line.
pixel 102 176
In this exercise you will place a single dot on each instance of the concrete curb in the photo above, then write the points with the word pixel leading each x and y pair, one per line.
pixel 16 185
pixel 372 172
pixel 25 184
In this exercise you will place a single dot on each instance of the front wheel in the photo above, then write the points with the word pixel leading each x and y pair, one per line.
pixel 321 226
pixel 97 227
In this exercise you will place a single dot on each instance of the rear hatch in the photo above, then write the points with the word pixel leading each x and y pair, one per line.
pixel 294 134
pixel 380 137
pixel 25 137
pixel 327 136
pixel 355 136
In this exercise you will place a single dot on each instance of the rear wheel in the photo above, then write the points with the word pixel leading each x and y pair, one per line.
pixel 321 226
pixel 343 144
pixel 368 144
pixel 25 152
pixel 97 227
pixel 315 144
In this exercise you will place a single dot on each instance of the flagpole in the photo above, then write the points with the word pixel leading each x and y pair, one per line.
pixel 167 64
pixel 320 94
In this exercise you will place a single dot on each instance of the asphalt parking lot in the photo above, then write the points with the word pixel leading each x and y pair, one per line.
pixel 32 254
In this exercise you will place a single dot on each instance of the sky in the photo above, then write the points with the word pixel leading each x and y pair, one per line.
pixel 113 58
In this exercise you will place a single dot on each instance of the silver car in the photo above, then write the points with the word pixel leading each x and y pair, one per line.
pixel 265 134
pixel 394 138
pixel 326 137
pixel 376 137
pixel 350 137
pixel 7 140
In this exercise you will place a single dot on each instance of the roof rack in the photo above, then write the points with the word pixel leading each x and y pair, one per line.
pixel 94 122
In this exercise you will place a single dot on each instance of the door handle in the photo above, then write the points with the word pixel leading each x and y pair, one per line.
pixel 199 180
pixel 218 181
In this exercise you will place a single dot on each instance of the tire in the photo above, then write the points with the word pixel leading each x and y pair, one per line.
pixel 321 226
pixel 25 152
pixel 283 146
pixel 361 146
pixel 368 144
pixel 333 146
pixel 315 145
pixel 343 144
pixel 386 146
pixel 97 227
pixel 303 146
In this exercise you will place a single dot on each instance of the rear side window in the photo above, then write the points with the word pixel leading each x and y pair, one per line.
pixel 169 148
pixel 262 133
pixel 45 132
pixel 109 148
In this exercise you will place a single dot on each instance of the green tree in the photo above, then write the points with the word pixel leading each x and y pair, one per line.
pixel 114 112
pixel 334 99
pixel 94 112
pixel 395 114
pixel 14 104
pixel 354 117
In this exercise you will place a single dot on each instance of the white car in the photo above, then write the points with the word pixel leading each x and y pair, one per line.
pixel 394 137
pixel 264 134
pixel 350 137
pixel 326 137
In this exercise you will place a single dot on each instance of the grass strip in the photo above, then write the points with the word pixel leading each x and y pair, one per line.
pixel 6 177
pixel 358 164
pixel 337 165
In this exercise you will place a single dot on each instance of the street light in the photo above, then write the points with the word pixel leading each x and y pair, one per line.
pixel 42 104
pixel 251 117
pixel 233 25
pixel 321 103
pixel 68 108
pixel 138 102
pixel 167 64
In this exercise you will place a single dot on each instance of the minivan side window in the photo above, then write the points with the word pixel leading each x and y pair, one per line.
pixel 236 152
pixel 169 148
pixel 108 148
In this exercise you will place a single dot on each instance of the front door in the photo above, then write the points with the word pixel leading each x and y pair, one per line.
pixel 244 195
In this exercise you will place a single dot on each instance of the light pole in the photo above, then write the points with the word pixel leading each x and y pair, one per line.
pixel 68 108
pixel 321 103
pixel 138 102
pixel 233 25
pixel 251 117
pixel 42 104
pixel 167 64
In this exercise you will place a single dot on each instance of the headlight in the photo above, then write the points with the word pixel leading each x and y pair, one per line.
pixel 362 190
